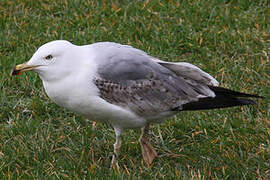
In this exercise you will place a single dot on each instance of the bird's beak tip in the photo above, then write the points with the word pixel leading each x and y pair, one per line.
pixel 18 69
pixel 15 71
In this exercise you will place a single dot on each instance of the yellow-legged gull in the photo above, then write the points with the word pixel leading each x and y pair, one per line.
pixel 125 87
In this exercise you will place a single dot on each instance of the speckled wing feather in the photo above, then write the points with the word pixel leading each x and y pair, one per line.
pixel 146 97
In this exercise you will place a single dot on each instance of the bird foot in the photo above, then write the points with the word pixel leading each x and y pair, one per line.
pixel 114 164
pixel 148 152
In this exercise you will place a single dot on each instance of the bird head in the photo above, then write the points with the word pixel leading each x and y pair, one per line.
pixel 49 61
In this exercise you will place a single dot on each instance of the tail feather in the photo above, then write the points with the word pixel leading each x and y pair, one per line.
pixel 224 98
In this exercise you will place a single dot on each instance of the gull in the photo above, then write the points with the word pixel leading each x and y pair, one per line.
pixel 125 87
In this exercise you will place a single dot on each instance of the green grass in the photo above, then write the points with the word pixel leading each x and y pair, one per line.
pixel 228 39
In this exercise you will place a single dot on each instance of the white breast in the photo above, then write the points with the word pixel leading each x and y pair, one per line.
pixel 82 98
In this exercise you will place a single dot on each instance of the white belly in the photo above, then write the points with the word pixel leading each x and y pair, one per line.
pixel 89 104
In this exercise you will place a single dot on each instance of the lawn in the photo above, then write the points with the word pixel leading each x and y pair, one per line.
pixel 228 39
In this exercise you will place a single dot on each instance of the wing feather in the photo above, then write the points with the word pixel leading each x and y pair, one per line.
pixel 131 79
pixel 146 97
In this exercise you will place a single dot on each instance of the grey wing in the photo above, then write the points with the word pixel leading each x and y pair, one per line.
pixel 128 78
pixel 146 97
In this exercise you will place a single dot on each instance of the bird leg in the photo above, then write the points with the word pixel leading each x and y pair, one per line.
pixel 116 150
pixel 148 152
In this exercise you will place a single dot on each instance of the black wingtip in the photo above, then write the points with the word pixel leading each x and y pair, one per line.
pixel 224 98
pixel 246 102
pixel 224 91
pixel 216 103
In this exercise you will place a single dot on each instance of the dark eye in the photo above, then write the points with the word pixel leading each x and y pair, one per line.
pixel 49 57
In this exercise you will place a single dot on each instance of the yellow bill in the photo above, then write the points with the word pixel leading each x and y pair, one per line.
pixel 17 70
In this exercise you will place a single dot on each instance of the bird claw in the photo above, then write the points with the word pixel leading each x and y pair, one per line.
pixel 148 152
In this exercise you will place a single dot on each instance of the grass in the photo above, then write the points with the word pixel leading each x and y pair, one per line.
pixel 228 39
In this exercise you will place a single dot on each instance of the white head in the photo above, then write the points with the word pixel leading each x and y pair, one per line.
pixel 51 61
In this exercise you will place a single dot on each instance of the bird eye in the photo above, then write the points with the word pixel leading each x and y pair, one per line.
pixel 49 57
